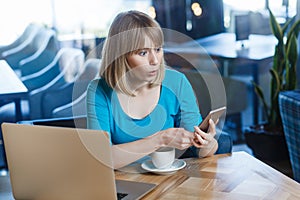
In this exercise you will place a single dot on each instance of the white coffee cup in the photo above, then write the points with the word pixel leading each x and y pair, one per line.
pixel 163 157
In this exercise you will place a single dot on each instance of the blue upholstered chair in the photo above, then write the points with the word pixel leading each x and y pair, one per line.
pixel 62 70
pixel 39 60
pixel 69 100
pixel 289 105
pixel 43 40
pixel 23 40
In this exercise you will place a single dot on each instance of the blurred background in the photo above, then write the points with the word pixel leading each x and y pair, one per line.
pixel 95 16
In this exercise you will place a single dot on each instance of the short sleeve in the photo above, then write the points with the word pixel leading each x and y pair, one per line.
pixel 190 114
pixel 98 114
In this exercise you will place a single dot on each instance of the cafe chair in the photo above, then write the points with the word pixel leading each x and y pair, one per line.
pixel 289 106
pixel 23 40
pixel 32 37
pixel 64 68
pixel 63 64
pixel 39 61
pixel 44 40
pixel 69 100
pixel 260 23
pixel 250 22
pixel 66 101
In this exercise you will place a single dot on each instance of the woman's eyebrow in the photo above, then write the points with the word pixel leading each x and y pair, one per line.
pixel 145 48
pixel 154 47
pixel 148 48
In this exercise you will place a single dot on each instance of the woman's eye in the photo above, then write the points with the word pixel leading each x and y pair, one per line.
pixel 158 49
pixel 142 53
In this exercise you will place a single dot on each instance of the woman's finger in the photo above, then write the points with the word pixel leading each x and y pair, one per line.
pixel 212 128
pixel 196 144
pixel 199 140
pixel 205 136
pixel 212 125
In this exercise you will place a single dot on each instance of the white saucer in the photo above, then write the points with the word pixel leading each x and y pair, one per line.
pixel 177 165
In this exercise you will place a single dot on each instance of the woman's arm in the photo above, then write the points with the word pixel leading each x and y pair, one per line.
pixel 205 142
pixel 124 154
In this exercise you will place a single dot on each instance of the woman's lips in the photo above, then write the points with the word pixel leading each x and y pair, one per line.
pixel 152 73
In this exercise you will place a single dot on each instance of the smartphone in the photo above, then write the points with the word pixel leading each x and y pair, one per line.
pixel 214 115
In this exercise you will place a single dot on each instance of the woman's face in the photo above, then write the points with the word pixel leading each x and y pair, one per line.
pixel 145 63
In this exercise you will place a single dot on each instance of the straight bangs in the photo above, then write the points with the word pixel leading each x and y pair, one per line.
pixel 149 37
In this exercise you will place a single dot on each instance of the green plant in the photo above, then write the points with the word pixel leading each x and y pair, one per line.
pixel 283 71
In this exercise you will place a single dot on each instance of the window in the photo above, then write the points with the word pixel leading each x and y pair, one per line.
pixel 67 16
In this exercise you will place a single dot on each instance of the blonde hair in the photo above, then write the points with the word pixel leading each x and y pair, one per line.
pixel 126 35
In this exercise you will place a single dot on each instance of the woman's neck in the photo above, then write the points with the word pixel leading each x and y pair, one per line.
pixel 143 103
pixel 141 90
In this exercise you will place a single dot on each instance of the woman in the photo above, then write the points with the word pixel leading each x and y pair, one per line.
pixel 142 105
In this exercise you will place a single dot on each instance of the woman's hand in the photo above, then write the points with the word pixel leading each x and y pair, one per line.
pixel 126 153
pixel 178 138
pixel 206 142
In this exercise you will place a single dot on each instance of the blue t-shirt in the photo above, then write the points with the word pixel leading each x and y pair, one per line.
pixel 177 107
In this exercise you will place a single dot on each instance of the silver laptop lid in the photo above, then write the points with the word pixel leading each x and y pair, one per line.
pixel 58 163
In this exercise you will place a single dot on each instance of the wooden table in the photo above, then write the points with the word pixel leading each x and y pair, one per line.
pixel 228 176
pixel 11 88
pixel 225 176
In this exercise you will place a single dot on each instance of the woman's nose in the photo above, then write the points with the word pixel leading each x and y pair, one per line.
pixel 153 60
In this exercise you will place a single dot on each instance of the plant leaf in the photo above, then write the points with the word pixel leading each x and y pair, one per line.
pixel 260 94
pixel 276 88
pixel 290 68
pixel 279 58
pixel 286 82
pixel 294 29
pixel 276 83
pixel 276 27
pixel 291 50
pixel 286 25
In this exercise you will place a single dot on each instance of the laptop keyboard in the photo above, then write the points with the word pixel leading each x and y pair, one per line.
pixel 121 195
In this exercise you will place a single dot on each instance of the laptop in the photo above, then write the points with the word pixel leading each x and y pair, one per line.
pixel 47 162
